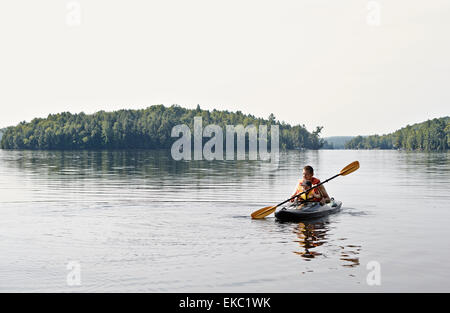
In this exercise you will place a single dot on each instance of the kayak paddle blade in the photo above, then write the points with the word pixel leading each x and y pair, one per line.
pixel 350 168
pixel 262 213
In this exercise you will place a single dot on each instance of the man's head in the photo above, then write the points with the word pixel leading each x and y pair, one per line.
pixel 308 172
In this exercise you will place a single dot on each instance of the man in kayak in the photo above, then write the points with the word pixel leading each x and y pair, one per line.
pixel 308 175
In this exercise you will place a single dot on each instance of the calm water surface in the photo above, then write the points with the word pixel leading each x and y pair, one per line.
pixel 137 221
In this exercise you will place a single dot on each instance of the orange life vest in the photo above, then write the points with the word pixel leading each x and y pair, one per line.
pixel 314 181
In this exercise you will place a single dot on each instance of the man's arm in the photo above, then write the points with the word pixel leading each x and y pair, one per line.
pixel 325 197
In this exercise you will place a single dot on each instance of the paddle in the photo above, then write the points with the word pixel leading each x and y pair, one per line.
pixel 262 213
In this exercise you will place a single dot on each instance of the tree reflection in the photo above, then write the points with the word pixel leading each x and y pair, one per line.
pixel 122 163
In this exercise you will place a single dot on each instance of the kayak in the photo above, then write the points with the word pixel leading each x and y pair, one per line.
pixel 310 210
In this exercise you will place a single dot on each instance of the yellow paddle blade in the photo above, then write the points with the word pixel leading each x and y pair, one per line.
pixel 350 168
pixel 262 213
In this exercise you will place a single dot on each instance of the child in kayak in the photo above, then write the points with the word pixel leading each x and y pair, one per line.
pixel 311 196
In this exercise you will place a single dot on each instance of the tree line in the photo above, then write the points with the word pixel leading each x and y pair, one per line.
pixel 148 128
pixel 432 135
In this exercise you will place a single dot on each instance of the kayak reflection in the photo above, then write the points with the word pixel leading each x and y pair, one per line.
pixel 314 234
pixel 349 254
pixel 310 236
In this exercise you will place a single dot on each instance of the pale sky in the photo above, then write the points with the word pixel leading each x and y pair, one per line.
pixel 338 64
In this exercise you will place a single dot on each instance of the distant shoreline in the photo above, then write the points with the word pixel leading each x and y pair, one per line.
pixel 149 128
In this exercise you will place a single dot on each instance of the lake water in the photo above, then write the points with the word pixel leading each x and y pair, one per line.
pixel 138 221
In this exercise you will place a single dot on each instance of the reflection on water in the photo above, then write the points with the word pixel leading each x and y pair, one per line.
pixel 349 254
pixel 313 234
pixel 145 175
pixel 122 163
pixel 310 236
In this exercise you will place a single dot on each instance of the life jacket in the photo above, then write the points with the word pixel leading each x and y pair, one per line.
pixel 310 195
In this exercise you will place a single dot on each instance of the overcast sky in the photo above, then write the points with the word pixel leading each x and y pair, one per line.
pixel 354 66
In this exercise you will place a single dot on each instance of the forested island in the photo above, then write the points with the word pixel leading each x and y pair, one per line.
pixel 432 135
pixel 148 128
